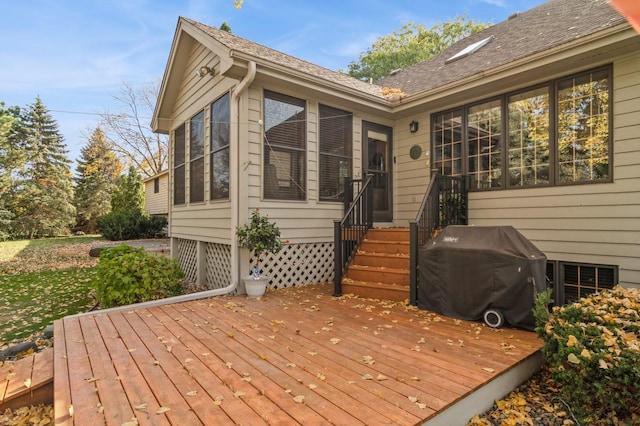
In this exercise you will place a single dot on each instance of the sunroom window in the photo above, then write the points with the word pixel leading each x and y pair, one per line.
pixel 336 134
pixel 178 165
pixel 284 164
pixel 196 158
pixel 219 164
pixel 573 148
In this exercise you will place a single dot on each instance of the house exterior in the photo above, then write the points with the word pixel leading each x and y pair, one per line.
pixel 540 113
pixel 156 194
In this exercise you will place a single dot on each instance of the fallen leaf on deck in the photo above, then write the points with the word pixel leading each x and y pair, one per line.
pixel 132 422
pixel 27 382
pixel 489 370
pixel 192 393
pixel 381 377
pixel 335 340
pixel 162 410
pixel 367 377
pixel 299 399
pixel 238 394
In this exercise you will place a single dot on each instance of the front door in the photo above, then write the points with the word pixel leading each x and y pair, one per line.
pixel 378 161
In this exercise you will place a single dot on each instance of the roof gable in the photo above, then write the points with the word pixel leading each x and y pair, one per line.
pixel 543 28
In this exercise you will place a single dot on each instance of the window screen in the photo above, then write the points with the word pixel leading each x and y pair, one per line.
pixel 336 134
pixel 219 164
pixel 196 158
pixel 178 165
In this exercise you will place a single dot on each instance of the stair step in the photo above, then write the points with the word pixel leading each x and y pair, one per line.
pixel 396 293
pixel 397 261
pixel 378 275
pixel 381 246
pixel 388 234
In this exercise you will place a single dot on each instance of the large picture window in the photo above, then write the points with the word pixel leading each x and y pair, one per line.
pixel 285 129
pixel 535 150
pixel 178 166
pixel 219 165
pixel 336 134
pixel 196 158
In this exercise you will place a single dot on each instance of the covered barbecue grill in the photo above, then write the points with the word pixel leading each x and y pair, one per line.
pixel 476 272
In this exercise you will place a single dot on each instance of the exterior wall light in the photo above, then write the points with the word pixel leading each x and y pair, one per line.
pixel 413 126
pixel 204 70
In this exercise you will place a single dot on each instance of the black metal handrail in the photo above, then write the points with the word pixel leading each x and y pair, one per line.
pixel 445 203
pixel 349 231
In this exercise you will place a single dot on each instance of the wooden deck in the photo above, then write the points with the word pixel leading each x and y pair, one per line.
pixel 296 356
pixel 28 381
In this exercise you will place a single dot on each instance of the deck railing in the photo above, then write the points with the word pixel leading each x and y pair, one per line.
pixel 350 230
pixel 445 203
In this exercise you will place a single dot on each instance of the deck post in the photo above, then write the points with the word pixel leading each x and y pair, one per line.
pixel 337 258
pixel 413 262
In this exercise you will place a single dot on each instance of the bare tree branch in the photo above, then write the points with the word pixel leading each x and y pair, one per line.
pixel 129 130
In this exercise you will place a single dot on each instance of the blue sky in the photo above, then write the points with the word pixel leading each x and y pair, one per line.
pixel 76 54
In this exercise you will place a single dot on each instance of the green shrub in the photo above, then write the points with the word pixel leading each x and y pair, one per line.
pixel 593 350
pixel 130 225
pixel 128 275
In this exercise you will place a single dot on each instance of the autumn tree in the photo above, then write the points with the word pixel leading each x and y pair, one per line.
pixel 128 194
pixel 409 45
pixel 97 171
pixel 129 131
pixel 43 193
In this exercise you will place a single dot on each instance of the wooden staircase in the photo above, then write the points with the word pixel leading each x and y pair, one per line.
pixel 380 269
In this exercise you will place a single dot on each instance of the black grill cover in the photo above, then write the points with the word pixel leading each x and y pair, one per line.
pixel 466 270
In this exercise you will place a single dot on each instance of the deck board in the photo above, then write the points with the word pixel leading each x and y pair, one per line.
pixel 237 360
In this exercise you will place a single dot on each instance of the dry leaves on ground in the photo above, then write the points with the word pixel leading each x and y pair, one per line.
pixel 41 415
pixel 52 258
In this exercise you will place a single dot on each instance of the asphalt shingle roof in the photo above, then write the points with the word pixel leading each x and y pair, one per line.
pixel 542 28
pixel 267 54
pixel 547 26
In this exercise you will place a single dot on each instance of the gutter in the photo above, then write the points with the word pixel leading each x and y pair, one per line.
pixel 234 160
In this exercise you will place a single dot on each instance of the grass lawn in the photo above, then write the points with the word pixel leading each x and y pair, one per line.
pixel 29 302
pixel 43 280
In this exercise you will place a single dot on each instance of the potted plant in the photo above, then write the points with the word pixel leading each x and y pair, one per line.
pixel 260 236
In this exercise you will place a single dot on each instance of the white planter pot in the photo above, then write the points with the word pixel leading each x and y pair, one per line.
pixel 255 287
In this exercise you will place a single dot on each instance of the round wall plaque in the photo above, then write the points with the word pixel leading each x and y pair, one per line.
pixel 415 152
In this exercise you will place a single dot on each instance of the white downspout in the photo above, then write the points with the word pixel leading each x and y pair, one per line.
pixel 234 164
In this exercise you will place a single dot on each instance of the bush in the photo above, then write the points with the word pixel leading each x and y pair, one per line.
pixel 593 350
pixel 128 275
pixel 130 225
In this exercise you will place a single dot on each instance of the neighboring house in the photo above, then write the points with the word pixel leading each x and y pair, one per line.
pixel 156 194
pixel 540 112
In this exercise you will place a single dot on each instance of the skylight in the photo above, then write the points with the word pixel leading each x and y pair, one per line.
pixel 469 49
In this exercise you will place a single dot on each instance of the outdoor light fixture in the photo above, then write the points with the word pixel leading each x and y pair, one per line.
pixel 204 70
pixel 413 126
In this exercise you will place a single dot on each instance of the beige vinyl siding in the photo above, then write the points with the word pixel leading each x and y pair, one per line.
pixel 157 203
pixel 209 220
pixel 411 177
pixel 592 223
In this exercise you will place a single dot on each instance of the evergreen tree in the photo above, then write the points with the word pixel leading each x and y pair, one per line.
pixel 128 195
pixel 43 197
pixel 11 160
pixel 96 175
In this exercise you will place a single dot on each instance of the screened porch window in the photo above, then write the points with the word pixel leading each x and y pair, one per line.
pixel 284 174
pixel 219 165
pixel 178 165
pixel 196 158
pixel 336 134
pixel 575 148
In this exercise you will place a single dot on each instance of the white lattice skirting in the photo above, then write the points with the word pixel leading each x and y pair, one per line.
pixel 295 264
pixel 187 257
pixel 218 265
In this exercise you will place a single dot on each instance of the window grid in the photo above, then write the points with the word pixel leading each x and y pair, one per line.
pixel 528 132
pixel 484 139
pixel 580 280
pixel 448 143
pixel 577 151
